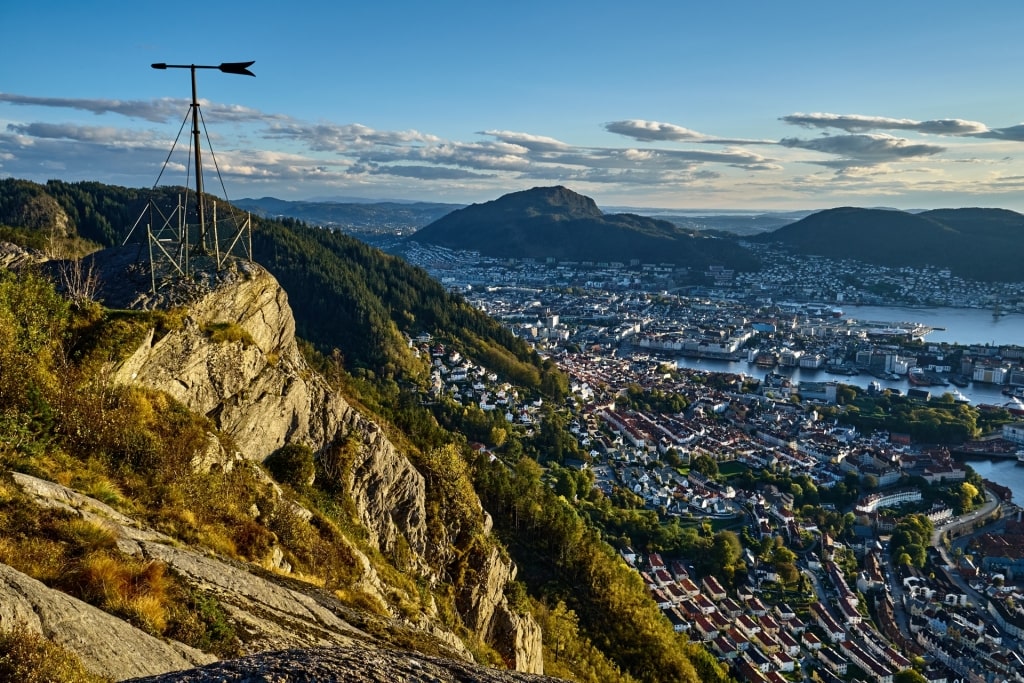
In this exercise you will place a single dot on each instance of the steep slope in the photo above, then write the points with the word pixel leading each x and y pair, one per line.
pixel 303 619
pixel 555 222
pixel 227 350
pixel 983 244
pixel 102 642
pixel 259 391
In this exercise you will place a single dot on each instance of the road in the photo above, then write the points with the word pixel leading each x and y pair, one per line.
pixel 963 522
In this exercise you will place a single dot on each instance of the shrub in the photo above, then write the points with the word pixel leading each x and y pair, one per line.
pixel 87 535
pixel 199 620
pixel 103 490
pixel 292 464
pixel 27 657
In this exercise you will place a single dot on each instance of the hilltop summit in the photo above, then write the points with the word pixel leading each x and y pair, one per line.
pixel 556 222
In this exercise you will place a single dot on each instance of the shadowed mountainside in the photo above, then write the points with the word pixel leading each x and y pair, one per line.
pixel 555 222
pixel 982 244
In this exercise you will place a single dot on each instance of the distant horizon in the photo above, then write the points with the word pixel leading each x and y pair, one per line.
pixel 614 208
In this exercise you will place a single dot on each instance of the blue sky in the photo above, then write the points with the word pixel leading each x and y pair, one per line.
pixel 690 105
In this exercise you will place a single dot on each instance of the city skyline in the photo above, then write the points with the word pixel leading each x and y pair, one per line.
pixel 661 105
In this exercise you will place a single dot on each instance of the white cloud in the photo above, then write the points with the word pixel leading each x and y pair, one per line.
pixel 327 137
pixel 652 131
pixel 162 110
pixel 856 123
pixel 536 143
pixel 858 150
pixel 93 134
pixel 655 131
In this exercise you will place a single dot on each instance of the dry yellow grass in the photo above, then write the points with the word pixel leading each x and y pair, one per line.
pixel 135 589
pixel 27 657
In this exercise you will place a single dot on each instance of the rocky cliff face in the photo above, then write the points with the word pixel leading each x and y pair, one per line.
pixel 259 390
pixel 295 631
pixel 488 611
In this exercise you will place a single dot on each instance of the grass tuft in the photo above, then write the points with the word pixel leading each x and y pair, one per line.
pixel 227 332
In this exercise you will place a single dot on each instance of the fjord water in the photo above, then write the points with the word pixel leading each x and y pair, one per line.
pixel 959 326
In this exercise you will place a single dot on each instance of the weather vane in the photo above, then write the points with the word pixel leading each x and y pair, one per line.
pixel 240 68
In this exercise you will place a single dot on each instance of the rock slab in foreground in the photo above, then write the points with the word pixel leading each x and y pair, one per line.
pixel 344 665
pixel 105 644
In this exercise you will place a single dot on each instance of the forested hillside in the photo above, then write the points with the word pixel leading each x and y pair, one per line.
pixel 981 244
pixel 599 623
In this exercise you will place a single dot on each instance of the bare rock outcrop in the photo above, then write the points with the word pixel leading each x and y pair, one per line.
pixel 272 615
pixel 13 257
pixel 105 644
pixel 345 665
pixel 258 389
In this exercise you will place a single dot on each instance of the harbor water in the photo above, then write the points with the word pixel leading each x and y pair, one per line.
pixel 951 325
pixel 1007 472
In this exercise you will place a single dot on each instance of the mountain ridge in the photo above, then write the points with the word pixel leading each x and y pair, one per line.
pixel 978 243
pixel 556 222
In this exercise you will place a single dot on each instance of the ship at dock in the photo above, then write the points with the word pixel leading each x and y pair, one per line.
pixel 924 378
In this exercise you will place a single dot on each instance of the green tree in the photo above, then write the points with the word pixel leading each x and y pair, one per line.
pixel 292 464
pixel 704 464
pixel 966 496
pixel 908 676
pixel 498 436
pixel 845 394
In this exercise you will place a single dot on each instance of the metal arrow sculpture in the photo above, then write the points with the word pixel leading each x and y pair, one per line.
pixel 238 68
